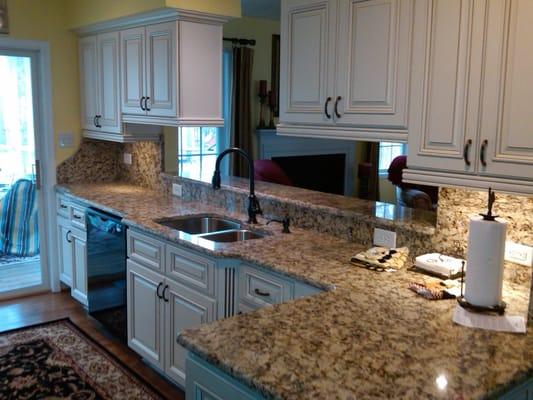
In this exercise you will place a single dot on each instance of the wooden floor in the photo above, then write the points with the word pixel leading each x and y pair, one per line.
pixel 27 311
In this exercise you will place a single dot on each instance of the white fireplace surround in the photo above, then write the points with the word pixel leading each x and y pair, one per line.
pixel 271 145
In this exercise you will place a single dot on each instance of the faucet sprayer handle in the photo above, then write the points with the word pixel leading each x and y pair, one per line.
pixel 286 221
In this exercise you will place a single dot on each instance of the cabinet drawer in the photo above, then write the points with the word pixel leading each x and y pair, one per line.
pixel 77 216
pixel 63 207
pixel 146 250
pixel 261 288
pixel 191 269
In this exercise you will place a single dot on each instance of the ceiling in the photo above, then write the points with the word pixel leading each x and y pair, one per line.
pixel 269 9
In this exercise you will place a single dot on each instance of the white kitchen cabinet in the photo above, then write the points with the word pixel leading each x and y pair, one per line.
pixel 345 68
pixel 184 308
pixel 78 290
pixel 506 129
pixel 146 328
pixel 64 241
pixel 72 247
pixel 99 77
pixel 469 125
pixel 307 61
pixel 172 74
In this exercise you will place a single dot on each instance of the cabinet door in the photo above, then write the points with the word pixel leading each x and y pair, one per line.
pixel 445 76
pixel 374 47
pixel 307 61
pixel 88 82
pixel 161 72
pixel 64 241
pixel 108 82
pixel 506 117
pixel 185 309
pixel 78 289
pixel 132 53
pixel 145 313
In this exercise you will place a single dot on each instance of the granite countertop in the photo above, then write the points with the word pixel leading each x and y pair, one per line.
pixel 370 337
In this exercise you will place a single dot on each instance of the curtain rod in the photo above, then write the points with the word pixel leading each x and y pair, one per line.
pixel 242 42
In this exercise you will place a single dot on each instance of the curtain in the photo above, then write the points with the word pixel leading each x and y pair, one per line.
pixel 241 107
pixel 372 157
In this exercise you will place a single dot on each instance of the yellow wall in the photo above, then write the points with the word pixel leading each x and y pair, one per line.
pixel 85 12
pixel 45 20
pixel 231 8
pixel 261 30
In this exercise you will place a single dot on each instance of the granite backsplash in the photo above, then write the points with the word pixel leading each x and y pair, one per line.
pixel 98 161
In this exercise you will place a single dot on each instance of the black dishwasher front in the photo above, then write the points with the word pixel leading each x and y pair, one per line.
pixel 106 271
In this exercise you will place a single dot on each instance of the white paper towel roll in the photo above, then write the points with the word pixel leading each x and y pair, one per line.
pixel 486 252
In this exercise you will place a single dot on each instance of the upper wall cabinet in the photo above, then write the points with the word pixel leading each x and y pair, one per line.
pixel 471 83
pixel 345 68
pixel 172 74
pixel 99 75
pixel 159 68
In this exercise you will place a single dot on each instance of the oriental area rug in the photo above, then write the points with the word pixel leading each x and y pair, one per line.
pixel 56 360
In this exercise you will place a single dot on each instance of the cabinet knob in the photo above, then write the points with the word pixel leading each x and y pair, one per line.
pixel 466 151
pixel 328 115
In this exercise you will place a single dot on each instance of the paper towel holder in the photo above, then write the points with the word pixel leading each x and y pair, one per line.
pixel 495 309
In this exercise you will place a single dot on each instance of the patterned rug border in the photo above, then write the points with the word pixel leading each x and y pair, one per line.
pixel 112 358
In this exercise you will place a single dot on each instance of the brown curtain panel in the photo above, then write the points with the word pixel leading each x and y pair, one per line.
pixel 372 152
pixel 243 58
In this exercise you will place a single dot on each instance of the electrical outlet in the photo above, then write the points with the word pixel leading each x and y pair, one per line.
pixel 519 254
pixel 127 158
pixel 384 238
pixel 176 190
pixel 66 139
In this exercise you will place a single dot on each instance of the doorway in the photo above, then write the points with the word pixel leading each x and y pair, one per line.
pixel 23 143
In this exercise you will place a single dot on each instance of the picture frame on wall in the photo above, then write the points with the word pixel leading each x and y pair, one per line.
pixel 4 22
pixel 274 79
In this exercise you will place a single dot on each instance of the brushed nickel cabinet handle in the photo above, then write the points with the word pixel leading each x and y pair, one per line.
pixel 466 151
pixel 336 109
pixel 328 115
pixel 261 293
pixel 482 152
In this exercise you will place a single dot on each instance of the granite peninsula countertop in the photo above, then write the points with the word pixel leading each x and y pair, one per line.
pixel 370 337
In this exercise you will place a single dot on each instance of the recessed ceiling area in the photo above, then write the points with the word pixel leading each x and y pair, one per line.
pixel 268 9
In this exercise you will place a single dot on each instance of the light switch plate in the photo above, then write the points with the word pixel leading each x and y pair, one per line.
pixel 519 254
pixel 176 190
pixel 127 158
pixel 384 238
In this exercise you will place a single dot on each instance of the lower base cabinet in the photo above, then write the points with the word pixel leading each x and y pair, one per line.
pixel 205 382
pixel 184 309
pixel 158 310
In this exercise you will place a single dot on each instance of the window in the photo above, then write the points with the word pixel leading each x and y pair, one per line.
pixel 387 152
pixel 17 149
pixel 199 148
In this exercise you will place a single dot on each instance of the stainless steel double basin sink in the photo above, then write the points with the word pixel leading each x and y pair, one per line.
pixel 213 228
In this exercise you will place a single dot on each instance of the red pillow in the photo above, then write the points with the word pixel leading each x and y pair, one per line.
pixel 270 171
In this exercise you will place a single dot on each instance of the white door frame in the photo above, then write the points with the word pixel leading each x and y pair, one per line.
pixel 45 149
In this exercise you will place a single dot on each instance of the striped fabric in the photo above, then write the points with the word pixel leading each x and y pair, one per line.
pixel 19 229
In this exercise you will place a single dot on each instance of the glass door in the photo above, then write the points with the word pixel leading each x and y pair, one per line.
pixel 20 260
